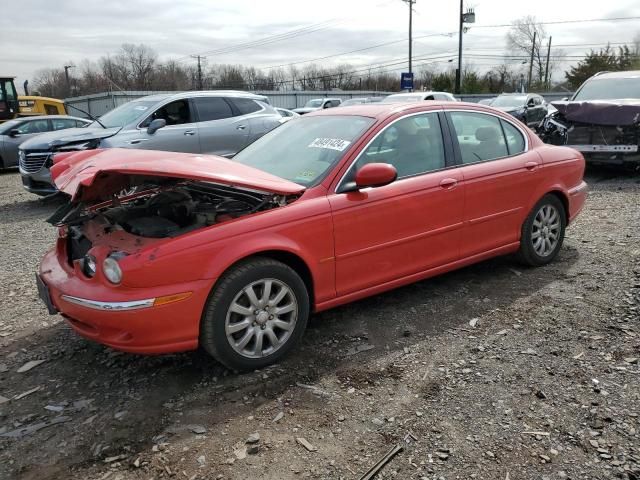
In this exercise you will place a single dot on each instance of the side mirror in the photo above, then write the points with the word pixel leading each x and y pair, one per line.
pixel 156 125
pixel 14 132
pixel 565 99
pixel 375 175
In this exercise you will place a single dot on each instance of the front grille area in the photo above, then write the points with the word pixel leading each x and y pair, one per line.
pixel 31 162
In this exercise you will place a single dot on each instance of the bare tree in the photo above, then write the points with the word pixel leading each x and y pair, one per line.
pixel 50 82
pixel 520 41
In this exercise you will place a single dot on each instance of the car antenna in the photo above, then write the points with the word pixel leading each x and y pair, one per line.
pixel 95 119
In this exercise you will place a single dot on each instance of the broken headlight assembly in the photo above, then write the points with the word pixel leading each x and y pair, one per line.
pixel 89 266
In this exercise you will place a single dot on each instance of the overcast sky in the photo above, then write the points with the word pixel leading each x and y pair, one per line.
pixel 37 34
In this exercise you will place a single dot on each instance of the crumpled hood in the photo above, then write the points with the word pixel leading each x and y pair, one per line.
pixel 59 138
pixel 95 175
pixel 622 112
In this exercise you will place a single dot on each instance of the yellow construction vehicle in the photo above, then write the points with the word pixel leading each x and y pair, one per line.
pixel 33 105
pixel 13 106
pixel 9 107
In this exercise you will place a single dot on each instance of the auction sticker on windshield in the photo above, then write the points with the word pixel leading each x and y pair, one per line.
pixel 330 143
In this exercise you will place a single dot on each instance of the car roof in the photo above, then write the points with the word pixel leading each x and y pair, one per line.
pixel 52 117
pixel 203 93
pixel 627 74
pixel 383 110
pixel 410 94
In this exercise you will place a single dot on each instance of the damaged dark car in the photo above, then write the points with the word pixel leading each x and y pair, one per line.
pixel 602 120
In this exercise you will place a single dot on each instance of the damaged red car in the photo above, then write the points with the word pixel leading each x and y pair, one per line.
pixel 162 252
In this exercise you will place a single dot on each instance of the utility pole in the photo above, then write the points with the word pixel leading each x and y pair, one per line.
pixel 533 49
pixel 66 75
pixel 546 70
pixel 199 71
pixel 469 17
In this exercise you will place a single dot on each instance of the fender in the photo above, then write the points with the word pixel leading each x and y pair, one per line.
pixel 322 270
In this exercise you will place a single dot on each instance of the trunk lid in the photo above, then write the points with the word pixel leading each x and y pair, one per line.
pixel 96 175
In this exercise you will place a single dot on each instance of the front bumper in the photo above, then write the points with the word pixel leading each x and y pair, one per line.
pixel 38 184
pixel 124 318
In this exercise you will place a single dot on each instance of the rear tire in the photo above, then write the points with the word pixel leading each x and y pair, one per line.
pixel 255 315
pixel 543 232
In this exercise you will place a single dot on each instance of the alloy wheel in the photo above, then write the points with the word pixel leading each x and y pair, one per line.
pixel 545 230
pixel 261 318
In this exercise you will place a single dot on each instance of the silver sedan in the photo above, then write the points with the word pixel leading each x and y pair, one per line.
pixel 14 132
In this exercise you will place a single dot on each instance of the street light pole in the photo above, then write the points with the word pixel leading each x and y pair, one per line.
pixel 66 75
pixel 410 3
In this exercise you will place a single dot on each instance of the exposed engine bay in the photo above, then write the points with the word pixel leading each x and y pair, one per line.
pixel 173 212
pixel 156 213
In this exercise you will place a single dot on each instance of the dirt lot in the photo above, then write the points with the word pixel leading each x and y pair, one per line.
pixel 498 371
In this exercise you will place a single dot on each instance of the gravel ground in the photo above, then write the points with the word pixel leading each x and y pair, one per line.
pixel 496 371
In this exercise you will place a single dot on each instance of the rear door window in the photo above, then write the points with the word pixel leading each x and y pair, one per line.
pixel 480 136
pixel 245 105
pixel 212 108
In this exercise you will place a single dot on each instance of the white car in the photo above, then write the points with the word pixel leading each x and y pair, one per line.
pixel 318 104
pixel 419 97
pixel 286 114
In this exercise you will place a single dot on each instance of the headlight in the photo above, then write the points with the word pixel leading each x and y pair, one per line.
pixel 89 265
pixel 112 270
pixel 21 156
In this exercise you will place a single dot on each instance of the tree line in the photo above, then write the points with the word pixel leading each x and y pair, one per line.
pixel 137 67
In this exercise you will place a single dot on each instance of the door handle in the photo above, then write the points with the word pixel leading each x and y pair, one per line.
pixel 241 127
pixel 448 183
pixel 137 141
pixel 190 133
pixel 531 165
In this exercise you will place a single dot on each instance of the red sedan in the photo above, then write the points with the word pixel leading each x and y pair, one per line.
pixel 161 252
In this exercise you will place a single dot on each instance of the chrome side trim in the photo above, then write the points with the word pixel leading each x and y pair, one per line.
pixel 110 306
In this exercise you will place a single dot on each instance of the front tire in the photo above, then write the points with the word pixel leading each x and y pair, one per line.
pixel 543 232
pixel 255 315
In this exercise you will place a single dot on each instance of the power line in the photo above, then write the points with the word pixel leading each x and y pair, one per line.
pixel 562 22
pixel 356 51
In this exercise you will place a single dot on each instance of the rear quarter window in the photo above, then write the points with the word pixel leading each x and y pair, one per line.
pixel 515 139
pixel 245 105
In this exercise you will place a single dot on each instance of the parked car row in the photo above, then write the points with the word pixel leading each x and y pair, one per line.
pixel 220 123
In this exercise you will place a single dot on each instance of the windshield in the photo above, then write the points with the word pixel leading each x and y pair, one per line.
pixel 509 101
pixel 304 149
pixel 402 98
pixel 313 104
pixel 609 89
pixel 125 114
